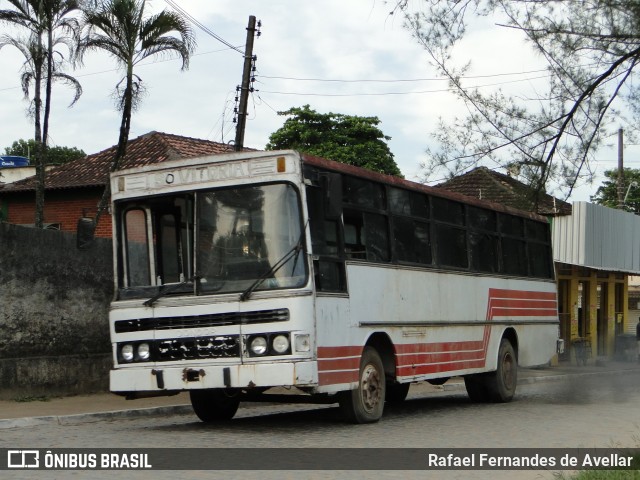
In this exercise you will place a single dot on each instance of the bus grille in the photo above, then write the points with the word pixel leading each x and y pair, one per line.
pixel 221 346
pixel 199 321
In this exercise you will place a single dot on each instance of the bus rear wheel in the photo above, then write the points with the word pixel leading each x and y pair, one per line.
pixel 476 386
pixel 215 405
pixel 502 383
pixel 365 403
pixel 498 386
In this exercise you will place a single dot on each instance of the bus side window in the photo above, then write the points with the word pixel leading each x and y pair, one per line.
pixel 484 251
pixel 450 233
pixel 539 248
pixel 514 247
pixel 354 235
pixel 366 236
pixel 329 270
pixel 330 275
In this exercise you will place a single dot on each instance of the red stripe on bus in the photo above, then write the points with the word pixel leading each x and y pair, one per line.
pixel 523 303
pixel 495 293
pixel 407 371
pixel 333 378
pixel 522 312
pixel 438 347
pixel 439 357
pixel 341 351
pixel 339 364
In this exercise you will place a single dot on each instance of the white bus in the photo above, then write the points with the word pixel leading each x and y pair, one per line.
pixel 241 272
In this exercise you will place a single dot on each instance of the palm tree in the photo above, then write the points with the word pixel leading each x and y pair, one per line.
pixel 49 25
pixel 119 27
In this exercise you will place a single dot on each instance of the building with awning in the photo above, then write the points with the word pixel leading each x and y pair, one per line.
pixel 595 250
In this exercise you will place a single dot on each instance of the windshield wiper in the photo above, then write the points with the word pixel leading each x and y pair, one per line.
pixel 276 266
pixel 162 293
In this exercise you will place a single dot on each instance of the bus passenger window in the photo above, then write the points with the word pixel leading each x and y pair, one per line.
pixel 366 236
pixel 510 225
pixel 539 265
pixel 536 231
pixel 483 249
pixel 353 235
pixel 405 202
pixel 412 240
pixel 362 193
pixel 330 276
pixel 451 244
pixel 514 256
pixel 448 211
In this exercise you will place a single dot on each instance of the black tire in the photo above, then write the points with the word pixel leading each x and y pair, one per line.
pixel 498 386
pixel 365 403
pixel 397 392
pixel 438 381
pixel 215 405
pixel 502 383
pixel 476 386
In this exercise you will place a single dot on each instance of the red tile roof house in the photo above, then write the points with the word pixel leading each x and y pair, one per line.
pixel 73 190
pixel 496 187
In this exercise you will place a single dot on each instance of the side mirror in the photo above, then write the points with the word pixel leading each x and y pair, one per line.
pixel 85 232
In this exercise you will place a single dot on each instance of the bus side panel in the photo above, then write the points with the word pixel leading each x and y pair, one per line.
pixel 440 324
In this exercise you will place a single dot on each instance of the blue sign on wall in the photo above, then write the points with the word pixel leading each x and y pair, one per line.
pixel 13 161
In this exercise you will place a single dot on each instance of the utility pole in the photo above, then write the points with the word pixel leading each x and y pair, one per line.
pixel 620 171
pixel 245 88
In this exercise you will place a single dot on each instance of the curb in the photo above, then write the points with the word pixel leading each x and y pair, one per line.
pixel 81 418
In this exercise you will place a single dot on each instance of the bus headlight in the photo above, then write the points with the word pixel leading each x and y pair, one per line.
pixel 280 344
pixel 126 352
pixel 258 346
pixel 144 352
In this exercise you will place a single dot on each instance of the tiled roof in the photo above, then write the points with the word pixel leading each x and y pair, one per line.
pixel 93 170
pixel 496 187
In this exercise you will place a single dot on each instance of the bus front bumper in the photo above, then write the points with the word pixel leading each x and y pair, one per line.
pixel 146 379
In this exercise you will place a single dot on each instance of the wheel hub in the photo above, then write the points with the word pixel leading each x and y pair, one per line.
pixel 370 388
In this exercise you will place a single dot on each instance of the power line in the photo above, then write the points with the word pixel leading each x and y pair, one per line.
pixel 201 26
pixel 140 65
pixel 397 80
pixel 381 94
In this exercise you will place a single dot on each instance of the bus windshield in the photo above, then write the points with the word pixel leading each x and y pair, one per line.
pixel 217 241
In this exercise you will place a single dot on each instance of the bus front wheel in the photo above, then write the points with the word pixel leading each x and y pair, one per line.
pixel 214 405
pixel 397 392
pixel 365 403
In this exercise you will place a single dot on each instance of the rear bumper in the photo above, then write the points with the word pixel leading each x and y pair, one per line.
pixel 146 379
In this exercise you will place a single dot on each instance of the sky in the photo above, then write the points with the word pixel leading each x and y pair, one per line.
pixel 337 56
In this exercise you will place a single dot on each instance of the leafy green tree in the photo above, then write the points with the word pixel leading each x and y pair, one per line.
pixel 120 28
pixel 607 193
pixel 344 138
pixel 49 25
pixel 592 50
pixel 55 155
